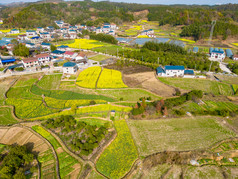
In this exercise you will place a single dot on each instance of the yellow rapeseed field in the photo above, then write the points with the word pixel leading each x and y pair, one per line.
pixel 142 36
pixel 110 79
pixel 88 77
pixel 5 30
pixel 84 44
pixel 236 44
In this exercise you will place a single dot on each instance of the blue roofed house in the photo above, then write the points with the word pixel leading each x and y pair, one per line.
pixel 45 45
pixel 218 54
pixel 63 48
pixel 189 74
pixel 36 40
pixel 57 53
pixel 70 68
pixel 45 35
pixel 14 31
pixel 98 30
pixel 195 49
pixel 31 33
pixel 171 71
pixel 106 29
pixel 30 45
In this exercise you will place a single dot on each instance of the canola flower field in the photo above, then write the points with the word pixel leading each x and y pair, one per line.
pixel 117 159
pixel 95 77
pixel 88 77
pixel 85 44
pixel 110 79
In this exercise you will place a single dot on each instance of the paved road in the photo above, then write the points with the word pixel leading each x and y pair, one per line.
pixel 224 68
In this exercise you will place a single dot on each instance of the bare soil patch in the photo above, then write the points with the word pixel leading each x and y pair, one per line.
pixel 74 174
pixel 148 81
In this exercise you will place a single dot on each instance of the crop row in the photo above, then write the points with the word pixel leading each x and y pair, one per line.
pixel 117 159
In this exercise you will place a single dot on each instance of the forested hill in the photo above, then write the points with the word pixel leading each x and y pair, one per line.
pixel 197 19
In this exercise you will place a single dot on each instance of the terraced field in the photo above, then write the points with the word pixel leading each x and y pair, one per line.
pixel 69 166
pixel 23 136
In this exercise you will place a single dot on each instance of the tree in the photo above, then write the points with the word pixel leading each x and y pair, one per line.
pixel 21 50
pixel 19 174
pixel 52 48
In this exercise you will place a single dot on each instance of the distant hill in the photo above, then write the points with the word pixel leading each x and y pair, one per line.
pixel 197 19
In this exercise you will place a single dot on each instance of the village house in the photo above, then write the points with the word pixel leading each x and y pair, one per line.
pixel 45 45
pixel 43 58
pixel 70 55
pixel 22 37
pixel 81 56
pixel 106 28
pixel 149 33
pixel 72 34
pixel 219 55
pixel 189 74
pixel 98 30
pixel 57 53
pixel 235 57
pixel 59 23
pixel 14 31
pixel 171 71
pixel 63 48
pixel 64 30
pixel 30 45
pixel 45 35
pixel 31 33
pixel 36 40
pixel 70 68
pixel 30 62
pixel 40 30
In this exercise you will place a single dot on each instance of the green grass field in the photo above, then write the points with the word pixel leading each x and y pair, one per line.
pixel 99 57
pixel 6 116
pixel 50 82
pixel 93 121
pixel 117 159
pixel 153 136
pixel 208 86
pixel 128 94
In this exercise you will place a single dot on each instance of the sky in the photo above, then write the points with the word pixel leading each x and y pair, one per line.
pixel 166 2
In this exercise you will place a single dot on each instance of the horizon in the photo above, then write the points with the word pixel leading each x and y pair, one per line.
pixel 155 2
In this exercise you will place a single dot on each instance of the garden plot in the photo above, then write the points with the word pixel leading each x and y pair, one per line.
pixel 208 86
pixel 153 136
pixel 68 165
pixel 117 159
pixel 110 79
pixel 6 116
pixel 50 82
pixel 24 136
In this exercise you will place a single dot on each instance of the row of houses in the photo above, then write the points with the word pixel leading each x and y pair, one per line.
pixel 150 33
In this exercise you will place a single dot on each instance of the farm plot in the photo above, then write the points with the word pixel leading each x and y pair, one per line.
pixel 62 104
pixel 110 79
pixel 209 106
pixel 128 94
pixel 89 110
pixel 27 80
pixel 85 44
pixel 6 116
pixel 50 82
pixel 22 136
pixel 235 88
pixel 29 108
pixel 22 92
pixel 5 85
pixel 67 163
pixel 67 95
pixel 88 77
pixel 176 134
pixel 208 86
pixel 117 159
pixel 99 57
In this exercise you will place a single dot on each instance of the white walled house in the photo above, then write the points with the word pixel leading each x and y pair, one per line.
pixel 235 57
pixel 31 33
pixel 43 58
pixel 70 68
pixel 171 71
pixel 14 31
pixel 45 35
pixel 45 45
pixel 30 62
pixel 69 54
pixel 219 55
pixel 57 53
pixel 98 30
pixel 30 45
pixel 40 30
